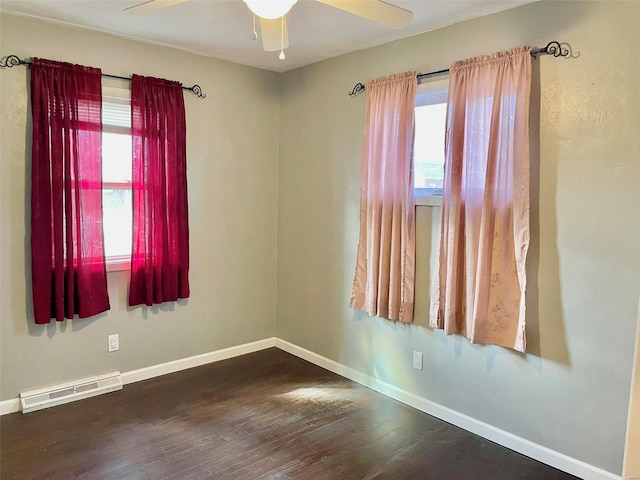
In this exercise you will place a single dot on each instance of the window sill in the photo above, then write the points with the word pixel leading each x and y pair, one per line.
pixel 428 200
pixel 118 264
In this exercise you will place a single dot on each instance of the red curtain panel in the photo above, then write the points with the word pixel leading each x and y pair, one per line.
pixel 160 254
pixel 67 250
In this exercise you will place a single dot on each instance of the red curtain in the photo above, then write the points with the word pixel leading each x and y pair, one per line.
pixel 67 252
pixel 160 256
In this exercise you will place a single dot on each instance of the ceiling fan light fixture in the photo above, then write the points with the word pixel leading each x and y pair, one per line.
pixel 270 8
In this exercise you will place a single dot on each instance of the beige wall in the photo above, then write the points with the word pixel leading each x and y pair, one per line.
pixel 232 148
pixel 570 392
pixel 250 180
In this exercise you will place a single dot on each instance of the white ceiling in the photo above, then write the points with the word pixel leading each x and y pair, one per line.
pixel 222 28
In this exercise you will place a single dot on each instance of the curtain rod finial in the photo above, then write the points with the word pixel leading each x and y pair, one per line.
pixel 553 48
pixel 357 90
pixel 197 91
pixel 10 61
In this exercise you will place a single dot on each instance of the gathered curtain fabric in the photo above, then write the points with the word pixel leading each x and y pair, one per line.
pixel 67 247
pixel 160 253
pixel 480 282
pixel 383 285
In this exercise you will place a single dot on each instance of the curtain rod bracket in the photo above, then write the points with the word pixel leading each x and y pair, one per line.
pixel 553 48
pixel 13 60
pixel 357 90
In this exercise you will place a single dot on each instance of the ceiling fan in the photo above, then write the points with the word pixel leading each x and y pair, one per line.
pixel 272 15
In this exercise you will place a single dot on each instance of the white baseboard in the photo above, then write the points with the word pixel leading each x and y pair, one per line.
pixel 9 406
pixel 13 405
pixel 513 442
pixel 195 361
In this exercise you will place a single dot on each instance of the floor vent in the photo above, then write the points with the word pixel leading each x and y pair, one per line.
pixel 69 392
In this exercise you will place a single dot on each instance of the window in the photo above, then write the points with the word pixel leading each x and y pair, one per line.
pixel 116 177
pixel 428 148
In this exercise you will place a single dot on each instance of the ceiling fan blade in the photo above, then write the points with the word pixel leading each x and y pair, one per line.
pixel 374 10
pixel 271 31
pixel 151 6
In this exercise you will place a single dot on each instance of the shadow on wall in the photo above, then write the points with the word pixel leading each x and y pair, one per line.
pixel 34 330
pixel 51 328
pixel 546 336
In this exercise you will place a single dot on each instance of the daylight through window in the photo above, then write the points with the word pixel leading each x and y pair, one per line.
pixel 430 128
pixel 116 179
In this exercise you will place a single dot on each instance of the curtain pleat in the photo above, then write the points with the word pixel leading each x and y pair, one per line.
pixel 480 282
pixel 385 268
pixel 160 256
pixel 67 247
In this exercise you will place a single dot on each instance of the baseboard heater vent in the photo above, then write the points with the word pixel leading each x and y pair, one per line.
pixel 69 392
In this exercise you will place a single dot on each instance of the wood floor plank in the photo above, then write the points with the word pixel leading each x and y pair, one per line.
pixel 263 416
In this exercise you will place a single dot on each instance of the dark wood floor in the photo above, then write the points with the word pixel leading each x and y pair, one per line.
pixel 267 415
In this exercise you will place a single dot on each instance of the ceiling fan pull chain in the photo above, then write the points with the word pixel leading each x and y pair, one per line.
pixel 281 56
pixel 254 35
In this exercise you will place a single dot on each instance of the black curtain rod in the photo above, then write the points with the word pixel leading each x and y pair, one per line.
pixel 13 60
pixel 553 48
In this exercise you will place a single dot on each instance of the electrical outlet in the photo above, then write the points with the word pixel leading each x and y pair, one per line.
pixel 417 360
pixel 114 342
pixel 634 477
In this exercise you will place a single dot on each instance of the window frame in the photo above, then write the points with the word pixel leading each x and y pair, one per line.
pixel 430 92
pixel 121 96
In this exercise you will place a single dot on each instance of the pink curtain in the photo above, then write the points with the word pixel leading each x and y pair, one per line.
pixel 160 256
pixel 67 251
pixel 385 269
pixel 479 288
